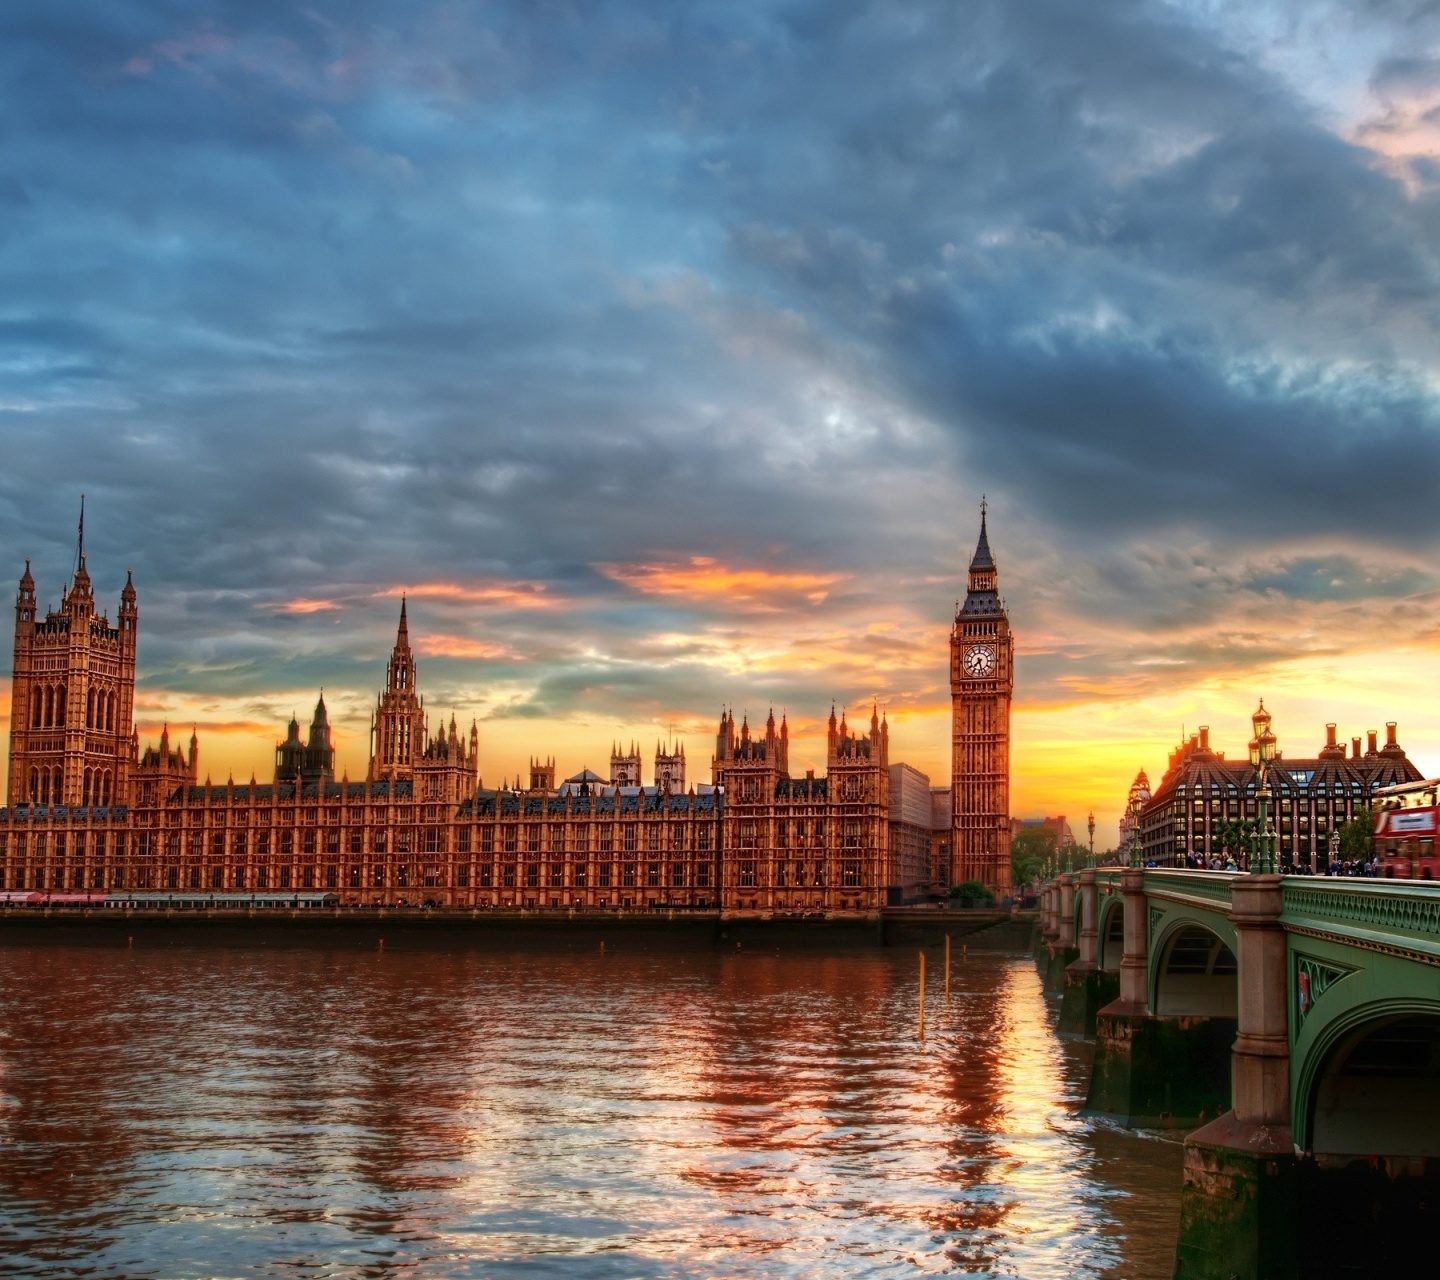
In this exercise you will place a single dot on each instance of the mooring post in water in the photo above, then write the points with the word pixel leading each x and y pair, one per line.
pixel 382 945
pixel 947 966
pixel 922 995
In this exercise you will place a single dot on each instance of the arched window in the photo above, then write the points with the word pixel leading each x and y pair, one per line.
pixel 49 705
pixel 44 786
pixel 56 790
pixel 85 789
pixel 110 712
pixel 60 705
pixel 37 707
pixel 34 786
pixel 105 793
pixel 90 711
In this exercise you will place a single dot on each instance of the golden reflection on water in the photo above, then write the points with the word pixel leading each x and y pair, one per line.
pixel 330 1112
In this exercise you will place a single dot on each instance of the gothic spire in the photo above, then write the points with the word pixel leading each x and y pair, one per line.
pixel 982 558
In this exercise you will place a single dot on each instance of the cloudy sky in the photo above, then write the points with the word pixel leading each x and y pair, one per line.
pixel 662 353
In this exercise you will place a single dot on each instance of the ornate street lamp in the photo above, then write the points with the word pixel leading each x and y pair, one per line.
pixel 1262 863
pixel 1091 824
pixel 1136 860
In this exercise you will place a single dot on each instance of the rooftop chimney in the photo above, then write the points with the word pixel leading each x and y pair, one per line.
pixel 1355 748
pixel 1204 737
pixel 1370 736
pixel 1332 750
pixel 1391 747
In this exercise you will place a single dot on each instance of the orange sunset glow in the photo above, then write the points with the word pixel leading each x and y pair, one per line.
pixel 703 576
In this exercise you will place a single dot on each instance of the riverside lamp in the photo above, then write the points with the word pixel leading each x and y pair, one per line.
pixel 1091 825
pixel 1135 858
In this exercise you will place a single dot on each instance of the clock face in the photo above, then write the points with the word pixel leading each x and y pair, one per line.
pixel 979 660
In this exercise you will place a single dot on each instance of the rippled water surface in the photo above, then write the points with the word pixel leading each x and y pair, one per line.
pixel 313 1111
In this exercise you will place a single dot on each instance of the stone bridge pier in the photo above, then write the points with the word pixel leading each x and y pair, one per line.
pixel 1060 942
pixel 1088 985
pixel 1240 1206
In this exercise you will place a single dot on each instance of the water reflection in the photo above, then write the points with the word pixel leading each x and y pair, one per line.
pixel 349 1113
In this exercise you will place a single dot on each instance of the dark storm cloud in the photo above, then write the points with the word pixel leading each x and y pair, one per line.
pixel 307 297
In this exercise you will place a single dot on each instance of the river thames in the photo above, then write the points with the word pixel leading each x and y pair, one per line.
pixel 278 1109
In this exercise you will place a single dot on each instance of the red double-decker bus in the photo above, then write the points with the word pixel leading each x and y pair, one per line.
pixel 1406 823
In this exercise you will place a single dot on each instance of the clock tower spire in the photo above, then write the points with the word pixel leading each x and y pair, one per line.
pixel 982 680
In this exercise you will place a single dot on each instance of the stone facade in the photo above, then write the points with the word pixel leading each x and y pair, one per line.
pixel 91 813
pixel 1310 797
pixel 911 832
pixel 72 701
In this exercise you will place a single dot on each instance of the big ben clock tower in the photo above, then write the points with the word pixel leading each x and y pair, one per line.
pixel 982 679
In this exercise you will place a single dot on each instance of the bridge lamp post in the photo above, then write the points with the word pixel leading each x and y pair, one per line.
pixel 1263 863
pixel 1136 860
pixel 1091 825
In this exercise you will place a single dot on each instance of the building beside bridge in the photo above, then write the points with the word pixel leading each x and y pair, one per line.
pixel 1310 796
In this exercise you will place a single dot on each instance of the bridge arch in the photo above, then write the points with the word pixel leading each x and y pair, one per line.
pixel 1193 971
pixel 1111 931
pixel 1367 1113
pixel 1370 1085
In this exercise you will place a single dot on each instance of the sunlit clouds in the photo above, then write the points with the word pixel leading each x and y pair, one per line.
pixel 497 595
pixel 746 587
pixel 301 606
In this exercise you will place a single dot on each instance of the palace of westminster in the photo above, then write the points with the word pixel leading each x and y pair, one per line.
pixel 91 813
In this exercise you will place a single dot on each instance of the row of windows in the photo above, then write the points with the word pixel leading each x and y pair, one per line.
pixel 1338 788
pixel 531 833
pixel 749 874
pixel 852 833
pixel 1234 806
pixel 426 840
pixel 676 875
pixel 76 842
pixel 47 786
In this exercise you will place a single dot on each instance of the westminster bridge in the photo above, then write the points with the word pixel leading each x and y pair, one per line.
pixel 1294 1024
